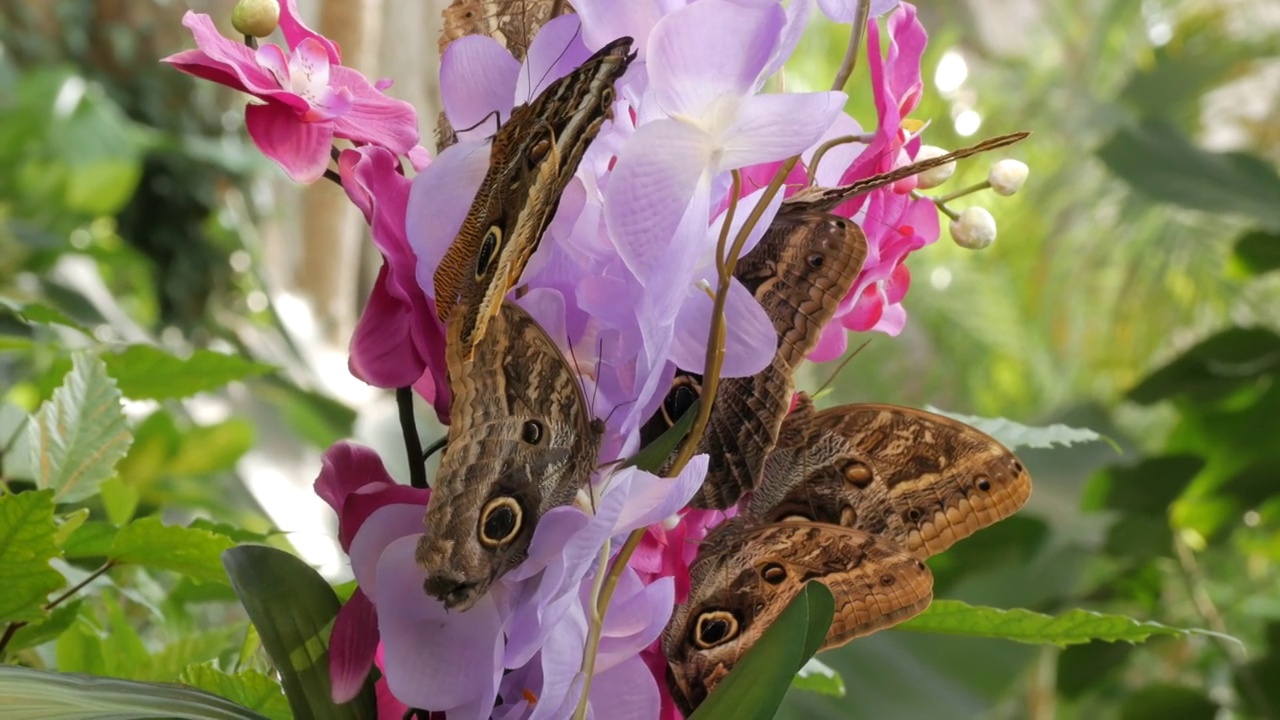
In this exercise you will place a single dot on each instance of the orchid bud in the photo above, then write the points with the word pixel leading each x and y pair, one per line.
pixel 933 177
pixel 256 18
pixel 974 229
pixel 1006 177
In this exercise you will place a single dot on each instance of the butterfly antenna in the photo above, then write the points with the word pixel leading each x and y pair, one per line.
pixel 559 57
pixel 492 113
pixel 843 363
pixel 434 447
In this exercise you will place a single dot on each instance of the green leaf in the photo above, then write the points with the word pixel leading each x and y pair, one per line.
pixel 1162 163
pixel 1147 488
pixel 1259 251
pixel 653 456
pixel 817 677
pixel 42 631
pixel 249 688
pixel 33 313
pixel 69 524
pixel 191 552
pixel 91 540
pixel 149 373
pixel 1214 367
pixel 119 500
pixel 27 694
pixel 320 420
pixel 1160 702
pixel 293 609
pixel 953 617
pixel 1014 435
pixel 211 448
pixel 189 649
pixel 756 685
pixel 27 544
pixel 78 436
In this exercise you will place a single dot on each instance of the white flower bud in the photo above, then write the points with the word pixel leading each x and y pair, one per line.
pixel 256 18
pixel 1006 177
pixel 935 176
pixel 975 229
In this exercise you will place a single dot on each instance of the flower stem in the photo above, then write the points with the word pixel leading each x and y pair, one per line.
pixel 976 187
pixel 15 626
pixel 412 445
pixel 855 44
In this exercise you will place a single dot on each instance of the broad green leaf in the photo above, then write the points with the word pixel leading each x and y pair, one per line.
pixel 42 631
pixel 91 540
pixel 119 500
pixel 1214 367
pixel 240 535
pixel 249 688
pixel 79 649
pixel 320 420
pixel 653 456
pixel 1149 487
pixel 211 448
pixel 27 694
pixel 78 436
pixel 755 687
pixel 293 609
pixel 189 649
pixel 146 372
pixel 1161 702
pixel 191 552
pixel 953 617
pixel 27 544
pixel 817 677
pixel 69 524
pixel 34 313
pixel 1259 251
pixel 1161 162
pixel 1014 435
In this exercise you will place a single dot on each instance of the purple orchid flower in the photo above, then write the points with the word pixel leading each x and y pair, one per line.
pixel 309 97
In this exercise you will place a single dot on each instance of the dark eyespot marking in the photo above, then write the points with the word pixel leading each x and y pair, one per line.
pixel 500 521
pixel 531 432
pixel 887 580
pixel 855 473
pixel 488 249
pixel 816 260
pixel 773 573
pixel 714 627
pixel 914 515
pixel 983 483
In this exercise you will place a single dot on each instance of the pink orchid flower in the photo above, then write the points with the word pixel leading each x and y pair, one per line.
pixel 308 97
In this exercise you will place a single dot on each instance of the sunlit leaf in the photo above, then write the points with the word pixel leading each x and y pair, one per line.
pixel 210 448
pixel 293 609
pixel 27 544
pixel 146 372
pixel 192 552
pixel 27 694
pixel 249 688
pixel 1014 435
pixel 953 617
pixel 91 540
pixel 755 687
pixel 817 677
pixel 78 436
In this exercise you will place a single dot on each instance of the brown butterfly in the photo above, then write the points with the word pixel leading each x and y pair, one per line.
pixel 521 442
pixel 513 23
pixel 533 157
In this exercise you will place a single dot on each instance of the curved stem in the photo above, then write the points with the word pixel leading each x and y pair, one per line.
pixel 855 44
pixel 602 593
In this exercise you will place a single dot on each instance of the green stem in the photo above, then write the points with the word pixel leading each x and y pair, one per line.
pixel 15 626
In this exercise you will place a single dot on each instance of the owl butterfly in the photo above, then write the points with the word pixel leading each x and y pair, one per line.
pixel 513 23
pixel 800 270
pixel 800 297
pixel 745 575
pixel 533 157
pixel 521 442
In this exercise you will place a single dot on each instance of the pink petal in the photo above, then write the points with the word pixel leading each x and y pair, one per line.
pixel 382 350
pixel 772 127
pixel 374 118
pixel 653 499
pixel 309 65
pixel 555 51
pixel 221 59
pixel 300 148
pixel 438 203
pixel 561 660
pixel 832 344
pixel 345 468
pixel 352 646
pixel 750 340
pixel 844 11
pixel 383 527
pixel 797 20
pixel 626 691
pixel 659 172
pixel 710 50
pixel 295 31
pixel 477 79
pixel 606 20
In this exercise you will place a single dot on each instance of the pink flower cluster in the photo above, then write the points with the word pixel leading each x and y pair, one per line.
pixel 622 274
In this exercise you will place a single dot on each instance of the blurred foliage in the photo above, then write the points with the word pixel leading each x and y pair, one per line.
pixel 1132 291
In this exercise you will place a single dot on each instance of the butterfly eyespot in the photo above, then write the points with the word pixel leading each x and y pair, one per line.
pixel 855 473
pixel 983 484
pixel 713 628
pixel 887 580
pixel 795 517
pixel 773 573
pixel 1017 467
pixel 914 515
pixel 488 246
pixel 684 390
pixel 815 260
pixel 920 565
pixel 531 432
pixel 500 521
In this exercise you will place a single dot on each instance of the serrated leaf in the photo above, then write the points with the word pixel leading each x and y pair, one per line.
pixel 755 687
pixel 91 540
pixel 250 688
pixel 188 649
pixel 192 552
pixel 78 436
pixel 42 631
pixel 149 373
pixel 653 456
pixel 817 676
pixel 27 544
pixel 953 617
pixel 1014 435
pixel 293 609
pixel 27 694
